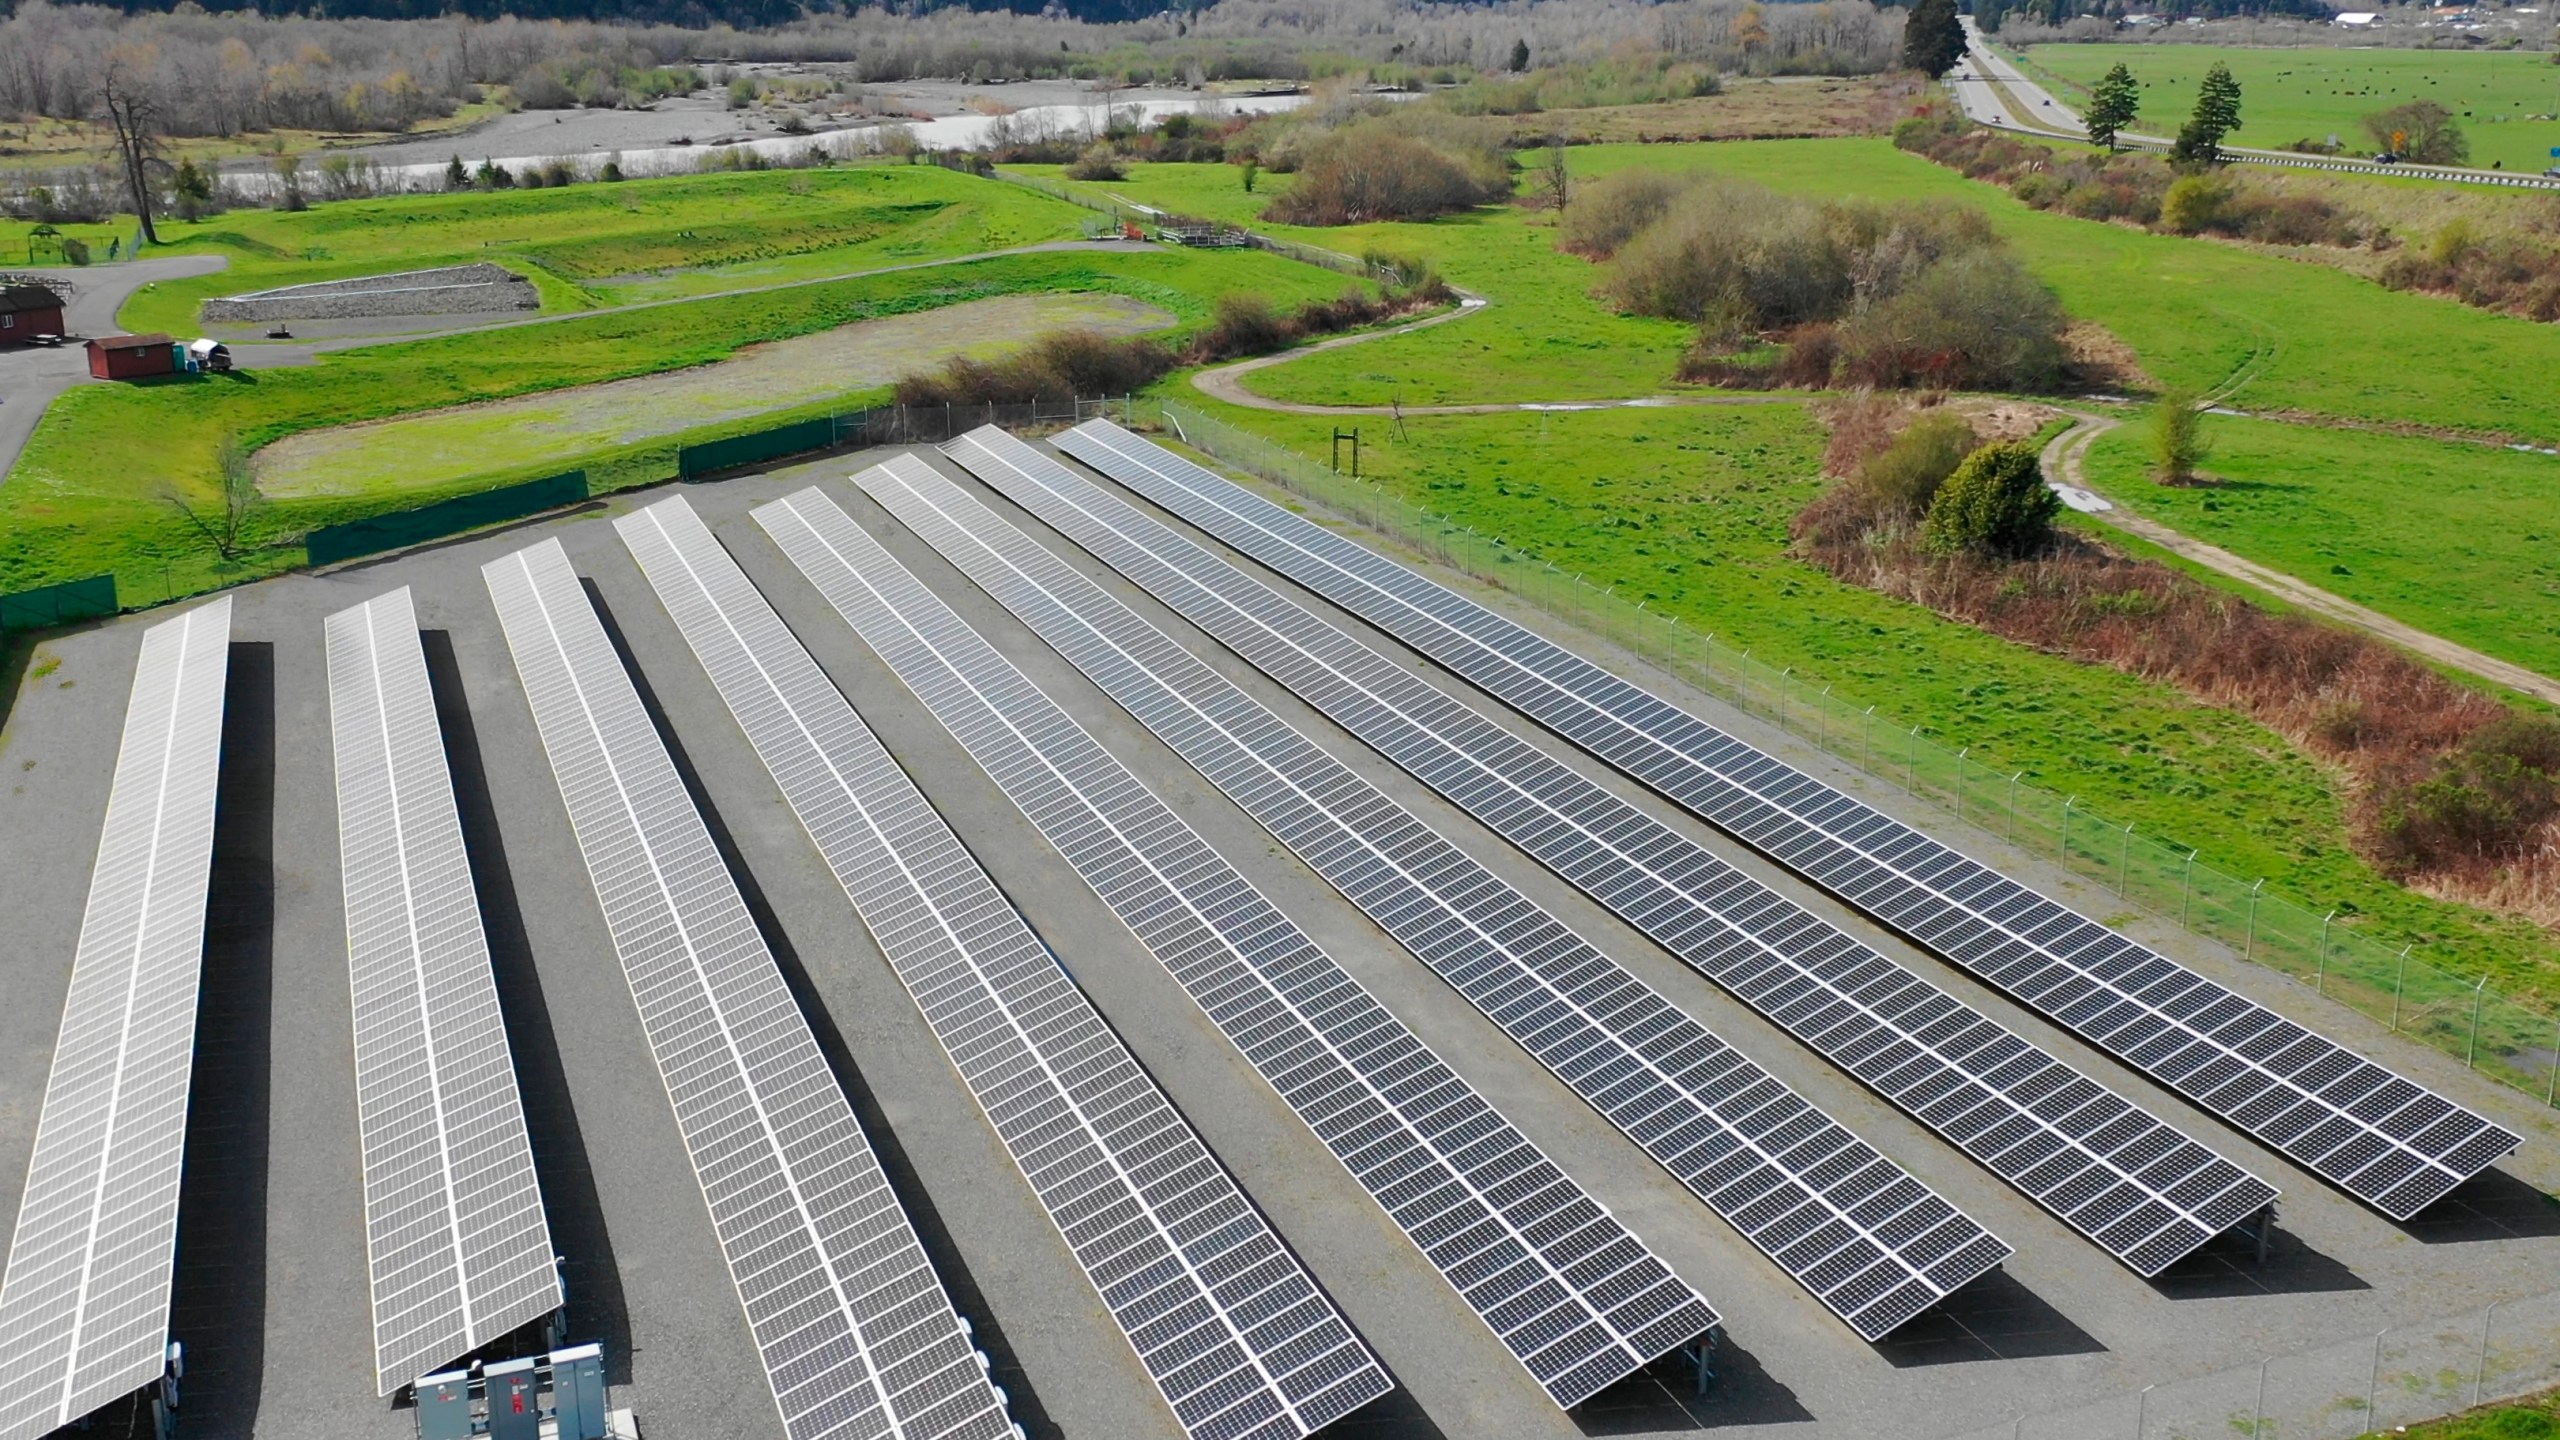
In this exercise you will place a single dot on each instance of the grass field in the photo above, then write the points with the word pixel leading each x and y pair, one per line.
pixel 2506 100
pixel 2534 1418
pixel 588 246
pixel 2462 541
pixel 1686 509
pixel 556 429
pixel 86 497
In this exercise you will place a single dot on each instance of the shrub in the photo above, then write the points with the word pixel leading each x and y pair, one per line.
pixel 1098 162
pixel 1245 324
pixel 1737 256
pixel 2194 203
pixel 2177 437
pixel 1355 177
pixel 1611 210
pixel 1975 321
pixel 1068 365
pixel 1902 481
pixel 1995 504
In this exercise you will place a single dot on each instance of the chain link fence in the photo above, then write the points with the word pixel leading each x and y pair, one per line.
pixel 2500 1036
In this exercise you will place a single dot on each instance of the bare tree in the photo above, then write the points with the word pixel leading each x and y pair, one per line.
pixel 224 524
pixel 131 105
pixel 1554 177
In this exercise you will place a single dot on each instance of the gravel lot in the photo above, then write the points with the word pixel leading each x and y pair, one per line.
pixel 271 1294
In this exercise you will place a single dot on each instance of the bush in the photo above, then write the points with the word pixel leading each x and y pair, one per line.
pixel 1737 257
pixel 1901 482
pixel 1975 321
pixel 1245 324
pixel 1402 167
pixel 1069 365
pixel 1995 504
pixel 2194 203
pixel 2177 437
pixel 1611 210
pixel 1098 162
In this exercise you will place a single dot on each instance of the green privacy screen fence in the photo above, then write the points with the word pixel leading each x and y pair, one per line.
pixel 59 604
pixel 333 543
pixel 756 447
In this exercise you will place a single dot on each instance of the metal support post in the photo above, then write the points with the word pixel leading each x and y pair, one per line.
pixel 2400 986
pixel 2258 1412
pixel 2249 950
pixel 2187 892
pixel 2124 861
pixel 2480 1372
pixel 2062 835
pixel 1960 754
pixel 2373 1381
pixel 2320 971
pixel 2261 1230
pixel 2013 805
pixel 2479 993
pixel 1911 771
pixel 1703 1355
pixel 2142 1411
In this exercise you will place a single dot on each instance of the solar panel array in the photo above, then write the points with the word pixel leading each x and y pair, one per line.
pixel 2381 1138
pixel 1223 1318
pixel 1869 1241
pixel 454 1234
pixel 1579 1301
pixel 84 1304
pixel 2137 1188
pixel 857 1336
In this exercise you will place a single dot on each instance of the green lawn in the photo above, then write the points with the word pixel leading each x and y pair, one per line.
pixel 2534 1418
pixel 2504 99
pixel 2459 540
pixel 86 495
pixel 586 246
pixel 1686 509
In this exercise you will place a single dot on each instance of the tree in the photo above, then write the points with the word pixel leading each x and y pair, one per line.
pixel 2217 114
pixel 1995 504
pixel 225 523
pixel 456 177
pixel 192 189
pixel 2177 437
pixel 132 110
pixel 1553 175
pixel 1987 15
pixel 1519 55
pixel 1932 38
pixel 2113 103
pixel 2421 130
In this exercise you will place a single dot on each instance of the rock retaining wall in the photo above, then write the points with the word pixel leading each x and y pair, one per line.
pixel 453 290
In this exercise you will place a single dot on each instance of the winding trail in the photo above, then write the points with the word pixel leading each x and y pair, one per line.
pixel 2065 469
pixel 2065 458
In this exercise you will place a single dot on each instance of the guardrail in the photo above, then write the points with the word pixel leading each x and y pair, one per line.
pixel 2508 1039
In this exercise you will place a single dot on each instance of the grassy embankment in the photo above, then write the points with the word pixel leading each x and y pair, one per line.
pixel 1686 508
pixel 590 246
pixel 2504 98
pixel 86 494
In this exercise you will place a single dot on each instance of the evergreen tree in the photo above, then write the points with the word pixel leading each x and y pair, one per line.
pixel 455 177
pixel 1519 56
pixel 2217 114
pixel 1987 15
pixel 1996 503
pixel 2113 102
pixel 1932 38
pixel 192 189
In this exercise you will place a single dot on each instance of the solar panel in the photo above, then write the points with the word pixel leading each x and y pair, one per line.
pixel 2383 1139
pixel 1223 1318
pixel 1579 1301
pixel 857 1335
pixel 454 1235
pixel 1866 1239
pixel 84 1305
pixel 2120 1176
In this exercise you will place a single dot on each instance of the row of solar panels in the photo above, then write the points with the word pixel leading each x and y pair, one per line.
pixel 857 1335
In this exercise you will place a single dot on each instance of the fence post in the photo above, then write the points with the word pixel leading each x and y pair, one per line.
pixel 2250 949
pixel 1867 741
pixel 2400 984
pixel 2062 835
pixel 1960 754
pixel 2479 993
pixel 2012 835
pixel 2124 863
pixel 2373 1381
pixel 2320 968
pixel 2187 892
pixel 1911 765
pixel 2480 1372
pixel 1782 695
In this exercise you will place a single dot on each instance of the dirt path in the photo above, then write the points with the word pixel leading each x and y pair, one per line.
pixel 2064 464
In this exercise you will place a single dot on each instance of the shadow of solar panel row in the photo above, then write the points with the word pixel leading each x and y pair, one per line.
pixel 2137 1188
pixel 2379 1137
pixel 857 1336
pixel 455 1241
pixel 1873 1244
pixel 1224 1319
pixel 84 1304
pixel 1577 1299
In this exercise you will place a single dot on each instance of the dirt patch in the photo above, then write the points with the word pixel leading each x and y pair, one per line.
pixel 439 447
pixel 2104 360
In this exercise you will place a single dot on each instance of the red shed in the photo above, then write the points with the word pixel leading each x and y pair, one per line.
pixel 131 357
pixel 27 311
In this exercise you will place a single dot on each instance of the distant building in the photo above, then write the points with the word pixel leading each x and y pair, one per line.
pixel 27 311
pixel 132 357
pixel 2354 19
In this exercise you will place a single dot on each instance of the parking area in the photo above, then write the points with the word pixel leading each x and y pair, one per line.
pixel 271 1291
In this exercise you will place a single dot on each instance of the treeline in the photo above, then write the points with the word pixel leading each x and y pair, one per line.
pixel 1790 292
pixel 2448 788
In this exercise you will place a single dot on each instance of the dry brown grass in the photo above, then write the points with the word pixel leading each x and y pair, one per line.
pixel 1787 109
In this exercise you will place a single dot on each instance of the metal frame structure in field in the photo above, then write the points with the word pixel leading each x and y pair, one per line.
pixel 84 1305
pixel 1867 1240
pixel 856 1334
pixel 2120 1176
pixel 455 1240
pixel 2383 1139
pixel 1224 1319
pixel 1579 1301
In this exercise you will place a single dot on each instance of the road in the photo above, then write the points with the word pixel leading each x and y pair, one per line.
pixel 30 378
